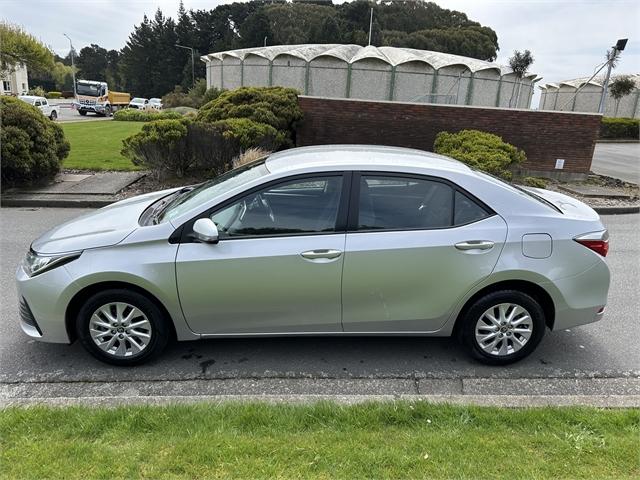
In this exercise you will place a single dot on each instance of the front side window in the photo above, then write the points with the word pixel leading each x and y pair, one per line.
pixel 301 206
pixel 408 203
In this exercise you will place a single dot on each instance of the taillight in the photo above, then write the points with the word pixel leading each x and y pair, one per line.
pixel 596 241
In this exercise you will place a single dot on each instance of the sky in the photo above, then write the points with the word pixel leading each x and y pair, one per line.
pixel 568 38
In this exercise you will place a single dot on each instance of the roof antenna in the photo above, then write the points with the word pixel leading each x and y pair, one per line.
pixel 370 25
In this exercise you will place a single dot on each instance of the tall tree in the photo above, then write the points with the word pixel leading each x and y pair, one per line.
pixel 620 88
pixel 19 47
pixel 519 63
pixel 92 63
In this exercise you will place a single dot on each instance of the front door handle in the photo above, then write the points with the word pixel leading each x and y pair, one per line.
pixel 475 245
pixel 321 253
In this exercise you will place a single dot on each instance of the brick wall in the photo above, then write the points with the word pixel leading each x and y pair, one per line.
pixel 544 135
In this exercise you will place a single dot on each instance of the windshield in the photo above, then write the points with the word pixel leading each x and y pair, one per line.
pixel 138 100
pixel 213 188
pixel 87 89
pixel 154 100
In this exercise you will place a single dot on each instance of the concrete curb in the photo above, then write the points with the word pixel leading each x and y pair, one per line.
pixel 617 210
pixel 52 202
pixel 511 401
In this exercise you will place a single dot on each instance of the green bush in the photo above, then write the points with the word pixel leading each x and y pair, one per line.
pixel 172 147
pixel 135 115
pixel 275 106
pixel 53 95
pixel 250 134
pixel 194 98
pixel 480 150
pixel 32 146
pixel 37 91
pixel 620 128
pixel 535 182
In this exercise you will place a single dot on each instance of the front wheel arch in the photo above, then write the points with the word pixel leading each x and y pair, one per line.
pixel 74 306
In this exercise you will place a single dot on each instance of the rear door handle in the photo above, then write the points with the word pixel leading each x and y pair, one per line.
pixel 321 253
pixel 475 245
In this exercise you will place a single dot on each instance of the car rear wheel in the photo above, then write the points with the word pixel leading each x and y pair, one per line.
pixel 503 327
pixel 122 327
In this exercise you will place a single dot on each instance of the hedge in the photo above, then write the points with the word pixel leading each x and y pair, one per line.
pixel 32 147
pixel 53 95
pixel 620 128
pixel 135 115
pixel 480 150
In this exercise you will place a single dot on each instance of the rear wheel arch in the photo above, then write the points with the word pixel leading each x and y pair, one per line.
pixel 74 306
pixel 533 290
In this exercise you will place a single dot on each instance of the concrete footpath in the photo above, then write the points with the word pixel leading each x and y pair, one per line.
pixel 518 392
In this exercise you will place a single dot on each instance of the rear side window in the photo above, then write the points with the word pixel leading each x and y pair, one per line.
pixel 408 203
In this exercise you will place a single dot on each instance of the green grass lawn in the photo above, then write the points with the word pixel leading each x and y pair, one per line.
pixel 375 440
pixel 96 145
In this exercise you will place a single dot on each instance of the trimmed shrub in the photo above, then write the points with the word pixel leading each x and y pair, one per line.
pixel 172 147
pixel 194 98
pixel 250 134
pixel 274 106
pixel 535 182
pixel 620 128
pixel 31 146
pixel 135 115
pixel 37 91
pixel 480 150
pixel 53 95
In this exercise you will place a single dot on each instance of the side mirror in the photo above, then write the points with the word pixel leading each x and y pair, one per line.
pixel 205 230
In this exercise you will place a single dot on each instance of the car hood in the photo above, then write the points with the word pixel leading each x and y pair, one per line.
pixel 100 228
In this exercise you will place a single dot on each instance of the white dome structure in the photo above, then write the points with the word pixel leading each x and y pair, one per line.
pixel 372 73
pixel 562 96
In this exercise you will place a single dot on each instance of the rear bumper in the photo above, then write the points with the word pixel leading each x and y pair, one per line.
pixel 582 298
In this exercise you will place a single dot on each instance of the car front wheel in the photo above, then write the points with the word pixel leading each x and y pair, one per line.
pixel 122 327
pixel 503 327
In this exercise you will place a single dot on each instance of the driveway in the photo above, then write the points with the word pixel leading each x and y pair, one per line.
pixel 618 160
pixel 606 350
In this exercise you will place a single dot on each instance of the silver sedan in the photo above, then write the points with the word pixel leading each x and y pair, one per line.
pixel 332 240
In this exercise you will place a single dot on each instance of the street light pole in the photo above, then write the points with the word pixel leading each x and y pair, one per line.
pixel 193 75
pixel 615 50
pixel 73 67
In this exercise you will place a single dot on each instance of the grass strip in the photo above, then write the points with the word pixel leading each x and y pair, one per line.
pixel 96 145
pixel 323 440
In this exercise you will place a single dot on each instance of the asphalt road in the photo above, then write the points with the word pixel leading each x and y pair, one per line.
pixel 618 160
pixel 68 114
pixel 605 349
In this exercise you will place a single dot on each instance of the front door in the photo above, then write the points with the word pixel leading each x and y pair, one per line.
pixel 277 266
pixel 418 245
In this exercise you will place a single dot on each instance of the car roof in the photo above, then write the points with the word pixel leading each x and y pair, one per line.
pixel 360 156
pixel 31 97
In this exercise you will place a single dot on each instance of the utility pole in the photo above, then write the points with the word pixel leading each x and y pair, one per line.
pixel 73 67
pixel 370 25
pixel 193 74
pixel 613 56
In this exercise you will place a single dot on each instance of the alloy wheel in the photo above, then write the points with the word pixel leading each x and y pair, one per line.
pixel 503 329
pixel 120 329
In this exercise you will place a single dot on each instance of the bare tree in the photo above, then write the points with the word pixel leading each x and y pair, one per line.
pixel 519 63
pixel 621 87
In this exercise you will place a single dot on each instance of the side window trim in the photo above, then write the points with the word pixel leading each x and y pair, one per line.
pixel 354 200
pixel 182 234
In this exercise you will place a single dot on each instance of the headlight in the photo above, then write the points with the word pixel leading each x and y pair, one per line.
pixel 34 264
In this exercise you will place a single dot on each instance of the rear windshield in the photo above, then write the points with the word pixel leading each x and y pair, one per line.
pixel 517 189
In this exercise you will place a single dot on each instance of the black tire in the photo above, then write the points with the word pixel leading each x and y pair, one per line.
pixel 467 330
pixel 82 112
pixel 160 331
pixel 53 116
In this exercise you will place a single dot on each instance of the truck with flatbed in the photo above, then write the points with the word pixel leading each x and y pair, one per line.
pixel 94 96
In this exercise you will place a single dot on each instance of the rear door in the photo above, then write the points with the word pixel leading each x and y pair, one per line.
pixel 278 265
pixel 415 246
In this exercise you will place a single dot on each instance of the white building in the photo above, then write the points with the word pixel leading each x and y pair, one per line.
pixel 14 82
pixel 373 73
pixel 562 96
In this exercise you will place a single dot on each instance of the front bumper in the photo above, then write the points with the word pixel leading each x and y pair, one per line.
pixel 43 304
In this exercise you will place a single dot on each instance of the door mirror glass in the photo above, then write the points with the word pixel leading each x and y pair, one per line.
pixel 205 230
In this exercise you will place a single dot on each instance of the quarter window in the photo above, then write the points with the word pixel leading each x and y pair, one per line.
pixel 301 206
pixel 405 203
